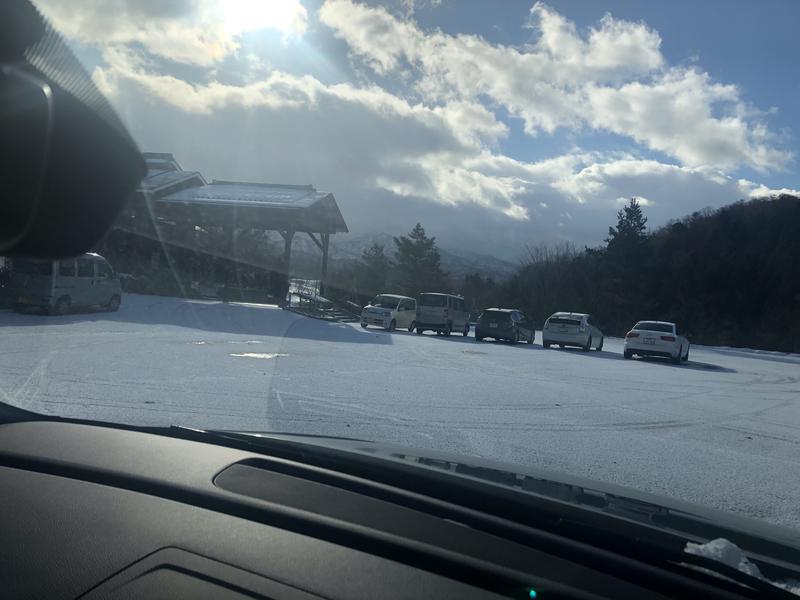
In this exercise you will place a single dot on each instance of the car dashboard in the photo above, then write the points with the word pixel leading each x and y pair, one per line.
pixel 89 511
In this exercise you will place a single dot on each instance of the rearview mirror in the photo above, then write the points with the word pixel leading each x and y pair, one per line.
pixel 26 114
pixel 68 163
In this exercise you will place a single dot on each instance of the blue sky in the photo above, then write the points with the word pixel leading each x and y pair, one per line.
pixel 494 124
pixel 751 44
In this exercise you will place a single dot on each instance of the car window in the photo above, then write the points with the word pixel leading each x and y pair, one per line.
pixel 103 270
pixel 384 302
pixel 564 321
pixel 433 300
pixel 66 268
pixel 650 326
pixel 494 316
pixel 85 267
pixel 32 267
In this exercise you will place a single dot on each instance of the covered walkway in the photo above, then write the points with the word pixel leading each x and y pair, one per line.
pixel 175 207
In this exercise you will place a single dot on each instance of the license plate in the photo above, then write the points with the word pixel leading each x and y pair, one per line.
pixel 649 341
pixel 493 325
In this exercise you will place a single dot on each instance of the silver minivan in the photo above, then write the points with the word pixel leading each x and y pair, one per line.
pixel 60 286
pixel 442 313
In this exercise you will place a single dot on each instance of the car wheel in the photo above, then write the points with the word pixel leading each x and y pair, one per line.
pixel 411 327
pixel 447 330
pixel 686 356
pixel 363 324
pixel 515 337
pixel 392 325
pixel 113 303
pixel 627 354
pixel 478 338
pixel 420 331
pixel 533 336
pixel 62 306
pixel 546 345
pixel 466 329
pixel 588 345
pixel 678 357
pixel 600 345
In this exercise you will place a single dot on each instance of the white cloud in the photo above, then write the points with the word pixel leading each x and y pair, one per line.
pixel 198 32
pixel 444 163
pixel 674 114
pixel 612 78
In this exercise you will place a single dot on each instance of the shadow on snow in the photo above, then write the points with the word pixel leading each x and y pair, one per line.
pixel 691 364
pixel 212 316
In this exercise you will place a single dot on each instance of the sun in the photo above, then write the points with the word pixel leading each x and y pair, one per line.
pixel 287 16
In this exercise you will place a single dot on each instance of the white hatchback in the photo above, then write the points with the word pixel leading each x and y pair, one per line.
pixel 656 338
pixel 390 311
pixel 572 329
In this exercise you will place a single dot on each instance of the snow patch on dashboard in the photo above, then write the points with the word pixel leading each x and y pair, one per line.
pixel 728 553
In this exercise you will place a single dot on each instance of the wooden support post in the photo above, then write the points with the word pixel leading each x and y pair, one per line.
pixel 326 238
pixel 286 263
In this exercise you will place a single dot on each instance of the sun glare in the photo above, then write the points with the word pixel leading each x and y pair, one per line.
pixel 286 16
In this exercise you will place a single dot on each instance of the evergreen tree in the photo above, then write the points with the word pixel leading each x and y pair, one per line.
pixel 418 264
pixel 374 269
pixel 631 227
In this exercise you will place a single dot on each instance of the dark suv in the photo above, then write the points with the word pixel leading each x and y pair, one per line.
pixel 504 324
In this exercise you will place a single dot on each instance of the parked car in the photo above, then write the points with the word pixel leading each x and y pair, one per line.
pixel 442 313
pixel 390 311
pixel 656 338
pixel 572 329
pixel 61 286
pixel 504 324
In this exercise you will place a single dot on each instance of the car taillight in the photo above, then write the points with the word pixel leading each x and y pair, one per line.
pixel 668 338
pixel 631 334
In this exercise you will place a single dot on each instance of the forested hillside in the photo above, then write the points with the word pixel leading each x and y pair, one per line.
pixel 727 277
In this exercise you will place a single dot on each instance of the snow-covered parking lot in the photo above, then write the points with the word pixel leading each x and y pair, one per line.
pixel 722 430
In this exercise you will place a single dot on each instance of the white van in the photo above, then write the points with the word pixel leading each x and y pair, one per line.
pixel 390 311
pixel 442 313
pixel 63 285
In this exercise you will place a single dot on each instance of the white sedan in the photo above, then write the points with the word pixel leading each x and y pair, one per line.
pixel 656 338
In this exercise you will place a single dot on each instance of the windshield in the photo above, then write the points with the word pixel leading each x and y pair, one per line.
pixel 306 158
pixel 384 302
pixel 648 326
